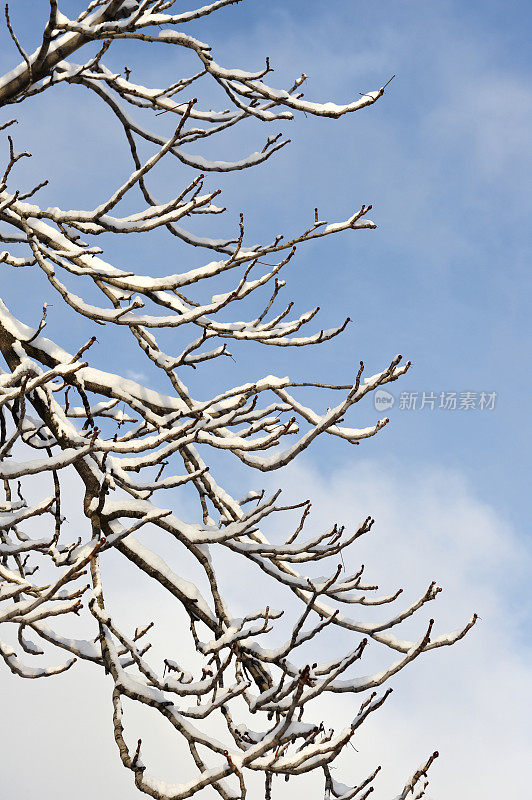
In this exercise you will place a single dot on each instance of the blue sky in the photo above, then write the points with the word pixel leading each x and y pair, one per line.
pixel 445 159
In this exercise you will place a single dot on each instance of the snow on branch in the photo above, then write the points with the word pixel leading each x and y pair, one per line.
pixel 133 446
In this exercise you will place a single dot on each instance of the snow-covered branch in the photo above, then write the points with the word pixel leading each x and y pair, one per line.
pixel 133 446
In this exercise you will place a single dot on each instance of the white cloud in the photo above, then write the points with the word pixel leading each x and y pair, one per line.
pixel 468 701
pixel 483 123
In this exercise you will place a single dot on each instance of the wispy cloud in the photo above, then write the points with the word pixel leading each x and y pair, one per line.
pixel 470 701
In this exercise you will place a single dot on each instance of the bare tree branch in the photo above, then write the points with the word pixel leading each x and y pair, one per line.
pixel 132 446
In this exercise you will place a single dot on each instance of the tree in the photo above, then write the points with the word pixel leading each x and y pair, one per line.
pixel 131 444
